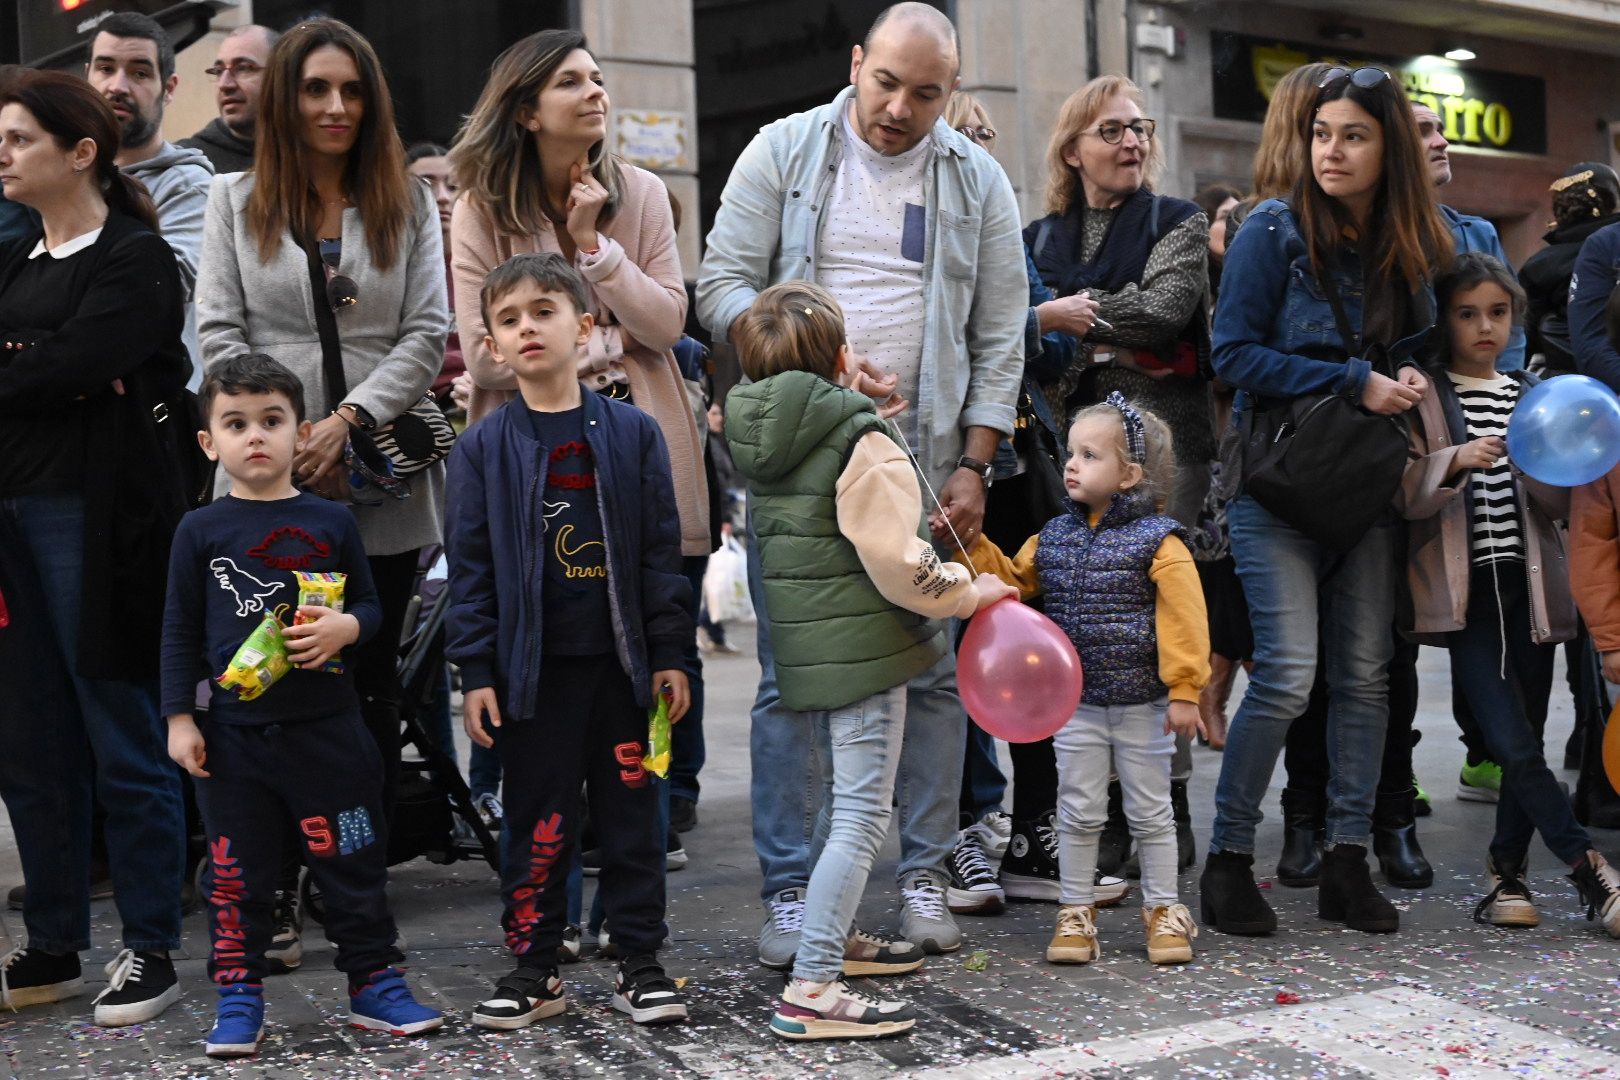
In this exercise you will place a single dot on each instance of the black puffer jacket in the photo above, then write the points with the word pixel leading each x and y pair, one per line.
pixel 1545 279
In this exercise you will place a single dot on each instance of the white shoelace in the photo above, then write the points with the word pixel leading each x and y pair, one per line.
pixel 120 969
pixel 1047 835
pixel 1076 922
pixel 788 915
pixel 972 864
pixel 925 898
pixel 5 974
pixel 1178 920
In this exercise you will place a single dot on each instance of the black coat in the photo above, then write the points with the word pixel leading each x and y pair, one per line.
pixel 1545 280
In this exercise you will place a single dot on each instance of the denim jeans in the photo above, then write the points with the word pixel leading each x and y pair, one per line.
pixel 687 752
pixel 1297 589
pixel 1503 686
pixel 63 736
pixel 1133 736
pixel 983 785
pixel 786 783
pixel 865 742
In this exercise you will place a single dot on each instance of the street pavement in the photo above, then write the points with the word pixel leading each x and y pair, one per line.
pixel 1444 997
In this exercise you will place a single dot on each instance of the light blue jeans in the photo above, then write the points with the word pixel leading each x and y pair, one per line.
pixel 786 785
pixel 864 741
pixel 1141 752
pixel 1294 588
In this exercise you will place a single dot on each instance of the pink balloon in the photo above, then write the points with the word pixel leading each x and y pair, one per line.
pixel 1018 673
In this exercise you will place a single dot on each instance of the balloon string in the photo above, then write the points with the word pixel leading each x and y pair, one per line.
pixel 901 439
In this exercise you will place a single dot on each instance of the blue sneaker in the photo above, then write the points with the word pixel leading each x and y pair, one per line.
pixel 385 1004
pixel 239 1023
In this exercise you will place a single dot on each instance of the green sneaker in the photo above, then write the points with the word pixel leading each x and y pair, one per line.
pixel 1480 782
pixel 1421 806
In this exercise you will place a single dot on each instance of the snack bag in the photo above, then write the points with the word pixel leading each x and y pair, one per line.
pixel 656 760
pixel 259 661
pixel 321 590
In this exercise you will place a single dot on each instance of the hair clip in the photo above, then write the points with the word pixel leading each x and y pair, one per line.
pixel 807 311
pixel 1135 439
pixel 1570 181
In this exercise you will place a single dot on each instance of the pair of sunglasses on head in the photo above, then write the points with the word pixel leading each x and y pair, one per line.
pixel 1363 77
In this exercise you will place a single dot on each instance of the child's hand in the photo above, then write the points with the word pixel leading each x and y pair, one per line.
pixel 477 706
pixel 311 644
pixel 1611 666
pixel 680 692
pixel 1182 718
pixel 1480 453
pixel 990 589
pixel 186 746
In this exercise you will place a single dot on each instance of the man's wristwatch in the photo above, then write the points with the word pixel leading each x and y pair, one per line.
pixel 985 470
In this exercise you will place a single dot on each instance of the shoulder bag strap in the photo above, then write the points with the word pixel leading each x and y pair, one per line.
pixel 337 387
pixel 1042 232
pixel 1352 339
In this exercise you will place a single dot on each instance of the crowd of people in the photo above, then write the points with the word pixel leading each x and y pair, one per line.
pixel 227 375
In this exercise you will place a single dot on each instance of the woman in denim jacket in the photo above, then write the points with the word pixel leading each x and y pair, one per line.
pixel 1362 220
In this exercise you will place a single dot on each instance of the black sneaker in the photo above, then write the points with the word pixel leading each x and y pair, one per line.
pixel 521 998
pixel 142 985
pixel 1029 870
pixel 286 949
pixel 674 854
pixel 33 977
pixel 682 813
pixel 973 888
pixel 568 952
pixel 647 994
pixel 1599 886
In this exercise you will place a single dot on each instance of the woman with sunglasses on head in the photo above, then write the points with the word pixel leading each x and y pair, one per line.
pixel 1360 232
pixel 329 187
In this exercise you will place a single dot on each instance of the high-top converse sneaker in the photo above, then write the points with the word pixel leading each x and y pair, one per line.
pixel 973 889
pixel 1029 871
pixel 1599 885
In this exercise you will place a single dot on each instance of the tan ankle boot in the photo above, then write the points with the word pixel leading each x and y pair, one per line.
pixel 1075 940
pixel 1170 931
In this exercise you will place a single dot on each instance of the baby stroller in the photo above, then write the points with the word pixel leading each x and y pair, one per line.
pixel 432 797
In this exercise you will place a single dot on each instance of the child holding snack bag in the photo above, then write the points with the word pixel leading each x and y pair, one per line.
pixel 283 742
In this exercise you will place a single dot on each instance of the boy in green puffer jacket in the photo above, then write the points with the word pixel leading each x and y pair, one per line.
pixel 854 593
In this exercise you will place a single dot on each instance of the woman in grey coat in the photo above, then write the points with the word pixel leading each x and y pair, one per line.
pixel 330 171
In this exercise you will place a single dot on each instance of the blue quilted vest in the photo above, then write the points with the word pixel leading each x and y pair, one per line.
pixel 1096 587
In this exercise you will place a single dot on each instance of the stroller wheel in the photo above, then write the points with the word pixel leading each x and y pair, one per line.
pixel 310 899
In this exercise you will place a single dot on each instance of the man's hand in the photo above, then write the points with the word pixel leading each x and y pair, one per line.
pixel 680 693
pixel 312 643
pixel 1386 397
pixel 1182 718
pixel 962 498
pixel 186 746
pixel 477 706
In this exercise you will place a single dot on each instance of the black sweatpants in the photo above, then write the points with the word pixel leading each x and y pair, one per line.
pixel 589 732
pixel 325 778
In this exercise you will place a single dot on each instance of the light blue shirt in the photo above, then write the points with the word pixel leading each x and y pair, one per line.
pixel 976 290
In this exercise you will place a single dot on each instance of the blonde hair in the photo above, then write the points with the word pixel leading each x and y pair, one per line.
pixel 1159 451
pixel 496 160
pixel 1281 153
pixel 794 326
pixel 963 107
pixel 1077 114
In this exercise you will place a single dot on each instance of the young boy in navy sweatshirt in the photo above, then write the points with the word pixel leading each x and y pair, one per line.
pixel 299 754
pixel 568 619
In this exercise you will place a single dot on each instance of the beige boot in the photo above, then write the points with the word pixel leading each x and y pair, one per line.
pixel 1075 940
pixel 1170 931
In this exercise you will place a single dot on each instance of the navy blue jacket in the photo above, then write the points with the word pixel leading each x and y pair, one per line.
pixel 497 544
pixel 1589 287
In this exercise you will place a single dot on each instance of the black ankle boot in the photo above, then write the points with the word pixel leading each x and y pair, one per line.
pixel 1348 894
pixel 1114 846
pixel 1300 866
pixel 1228 899
pixel 1186 843
pixel 1395 842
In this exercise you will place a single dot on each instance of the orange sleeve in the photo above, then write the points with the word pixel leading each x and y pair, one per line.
pixel 1594 559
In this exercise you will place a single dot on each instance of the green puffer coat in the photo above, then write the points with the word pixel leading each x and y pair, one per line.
pixel 835 637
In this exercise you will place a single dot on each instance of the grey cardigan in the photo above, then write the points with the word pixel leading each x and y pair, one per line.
pixel 393 339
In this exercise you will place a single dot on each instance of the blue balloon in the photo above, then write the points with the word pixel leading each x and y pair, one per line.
pixel 1565 431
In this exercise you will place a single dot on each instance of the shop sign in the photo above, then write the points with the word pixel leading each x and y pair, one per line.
pixel 1492 110
pixel 653 140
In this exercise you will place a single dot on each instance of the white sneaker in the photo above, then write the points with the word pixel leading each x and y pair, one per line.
pixel 1509 902
pixel 1599 886
pixel 996 831
pixel 286 949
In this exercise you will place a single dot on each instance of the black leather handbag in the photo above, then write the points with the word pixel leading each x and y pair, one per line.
pixel 1017 507
pixel 1321 462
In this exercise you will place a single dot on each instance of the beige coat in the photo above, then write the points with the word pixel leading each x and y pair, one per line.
pixel 638 297
pixel 1438 554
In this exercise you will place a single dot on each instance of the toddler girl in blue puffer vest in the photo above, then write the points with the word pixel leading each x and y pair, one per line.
pixel 1118 577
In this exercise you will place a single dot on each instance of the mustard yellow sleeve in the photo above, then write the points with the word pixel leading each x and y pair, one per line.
pixel 1018 571
pixel 1181 621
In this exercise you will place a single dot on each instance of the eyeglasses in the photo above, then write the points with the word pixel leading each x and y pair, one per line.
pixel 1112 131
pixel 239 69
pixel 982 135
pixel 341 290
pixel 1364 77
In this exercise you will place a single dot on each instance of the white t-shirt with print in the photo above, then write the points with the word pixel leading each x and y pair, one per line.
pixel 873 238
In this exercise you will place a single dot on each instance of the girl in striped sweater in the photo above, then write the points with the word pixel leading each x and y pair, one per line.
pixel 1490 582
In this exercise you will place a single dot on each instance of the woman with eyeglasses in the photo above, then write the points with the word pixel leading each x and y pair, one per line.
pixel 1360 227
pixel 329 186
